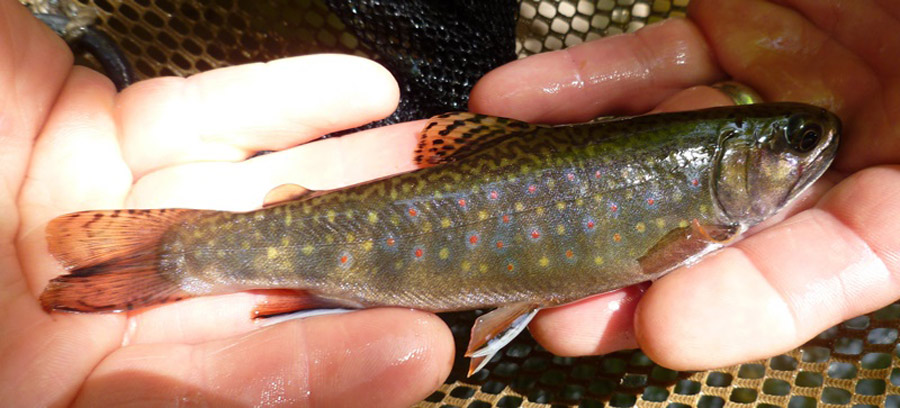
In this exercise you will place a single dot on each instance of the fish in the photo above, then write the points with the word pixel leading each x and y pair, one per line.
pixel 503 215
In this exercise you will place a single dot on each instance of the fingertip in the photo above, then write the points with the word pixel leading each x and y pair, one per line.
pixel 713 314
pixel 620 74
pixel 389 357
pixel 598 325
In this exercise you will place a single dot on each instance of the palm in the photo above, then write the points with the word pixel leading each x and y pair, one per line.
pixel 182 143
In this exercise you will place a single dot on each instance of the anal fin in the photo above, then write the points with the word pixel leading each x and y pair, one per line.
pixel 494 330
pixel 284 301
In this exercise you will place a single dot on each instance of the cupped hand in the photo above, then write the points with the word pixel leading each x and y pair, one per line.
pixel 832 256
pixel 68 142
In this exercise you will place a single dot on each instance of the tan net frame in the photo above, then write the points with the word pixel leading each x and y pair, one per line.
pixel 854 364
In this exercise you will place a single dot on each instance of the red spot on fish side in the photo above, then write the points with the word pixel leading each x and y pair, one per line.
pixel 650 201
pixel 499 244
pixel 535 234
pixel 344 259
pixel 597 174
pixel 617 237
pixel 391 242
pixel 613 208
pixel 413 212
pixel 532 188
pixel 494 195
pixel 569 253
pixel 419 252
pixel 473 239
pixel 590 224
pixel 462 202
pixel 695 182
pixel 505 218
pixel 509 267
pixel 570 176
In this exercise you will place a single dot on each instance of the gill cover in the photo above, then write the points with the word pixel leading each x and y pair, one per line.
pixel 760 166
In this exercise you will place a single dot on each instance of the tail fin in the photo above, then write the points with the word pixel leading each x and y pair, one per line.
pixel 113 259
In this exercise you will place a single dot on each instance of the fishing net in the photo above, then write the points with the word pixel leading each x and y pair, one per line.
pixel 856 363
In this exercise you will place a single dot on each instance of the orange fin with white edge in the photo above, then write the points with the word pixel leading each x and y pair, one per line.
pixel 283 301
pixel 494 330
pixel 455 135
pixel 113 260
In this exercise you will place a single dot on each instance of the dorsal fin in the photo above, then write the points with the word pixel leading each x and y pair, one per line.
pixel 455 135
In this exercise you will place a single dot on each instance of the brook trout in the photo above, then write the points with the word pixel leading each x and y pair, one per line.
pixel 507 215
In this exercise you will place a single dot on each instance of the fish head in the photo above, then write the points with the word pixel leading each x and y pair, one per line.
pixel 766 158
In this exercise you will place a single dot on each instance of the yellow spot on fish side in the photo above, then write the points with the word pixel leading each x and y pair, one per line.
pixel 683 223
pixel 598 260
pixel 561 205
pixel 551 183
pixel 540 211
pixel 394 194
pixel 704 209
pixel 466 265
pixel 482 268
pixel 444 253
pixel 445 223
pixel 271 252
pixel 350 237
pixel 438 195
pixel 579 202
pixel 329 239
pixel 482 215
pixel 287 219
pixel 367 245
pixel 245 245
pixel 640 227
pixel 426 227
pixel 598 198
pixel 373 218
pixel 307 250
pixel 330 215
pixel 395 220
pixel 520 207
pixel 285 241
pixel 560 229
pixel 660 223
pixel 544 261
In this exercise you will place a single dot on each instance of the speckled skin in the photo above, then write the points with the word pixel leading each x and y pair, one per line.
pixel 546 217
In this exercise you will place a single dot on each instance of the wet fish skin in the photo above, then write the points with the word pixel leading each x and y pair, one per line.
pixel 548 217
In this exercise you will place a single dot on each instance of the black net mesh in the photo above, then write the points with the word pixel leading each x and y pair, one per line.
pixel 855 364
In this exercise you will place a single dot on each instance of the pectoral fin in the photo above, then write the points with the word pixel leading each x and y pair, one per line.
pixel 494 330
pixel 681 245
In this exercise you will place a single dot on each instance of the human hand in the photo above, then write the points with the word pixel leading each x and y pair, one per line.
pixel 68 142
pixel 832 256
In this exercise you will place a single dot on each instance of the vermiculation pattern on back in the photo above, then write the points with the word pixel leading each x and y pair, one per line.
pixel 544 217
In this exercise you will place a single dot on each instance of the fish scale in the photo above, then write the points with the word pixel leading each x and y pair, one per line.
pixel 504 214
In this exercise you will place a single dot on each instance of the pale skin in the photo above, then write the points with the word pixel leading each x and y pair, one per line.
pixel 68 142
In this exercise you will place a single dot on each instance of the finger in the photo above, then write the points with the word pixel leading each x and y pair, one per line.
pixel 621 74
pixel 781 287
pixel 603 324
pixel 597 325
pixel 321 165
pixel 75 166
pixel 784 56
pixel 385 357
pixel 230 113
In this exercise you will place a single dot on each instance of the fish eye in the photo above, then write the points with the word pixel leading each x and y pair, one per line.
pixel 805 138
